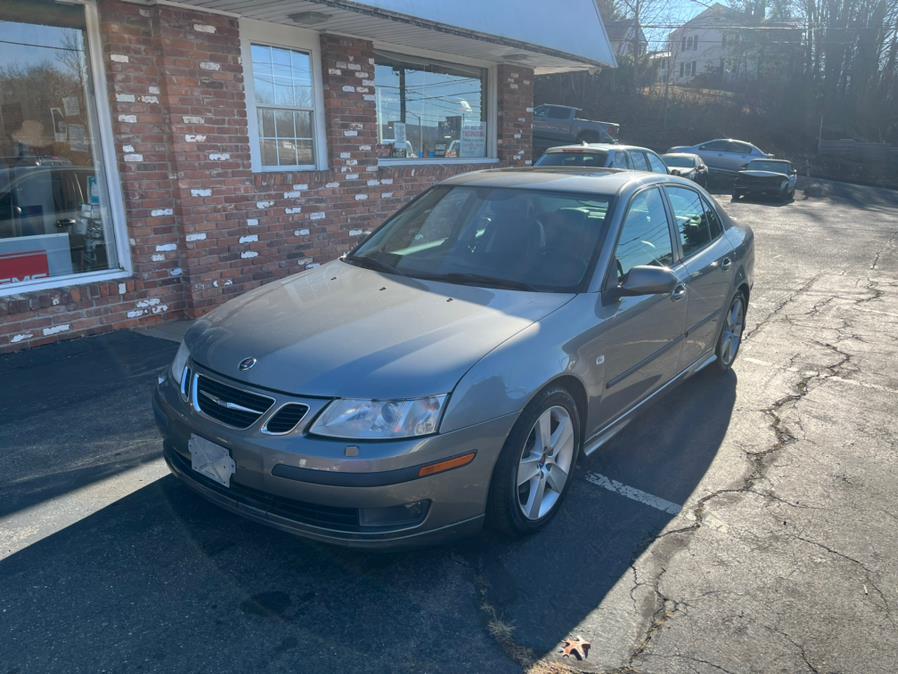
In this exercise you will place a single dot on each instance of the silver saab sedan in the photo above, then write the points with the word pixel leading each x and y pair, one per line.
pixel 452 368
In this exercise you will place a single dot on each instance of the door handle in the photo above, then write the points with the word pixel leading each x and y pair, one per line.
pixel 679 292
pixel 726 263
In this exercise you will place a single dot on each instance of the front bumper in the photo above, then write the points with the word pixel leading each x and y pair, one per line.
pixel 309 486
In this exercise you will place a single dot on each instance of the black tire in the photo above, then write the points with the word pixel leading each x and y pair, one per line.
pixel 725 357
pixel 504 511
pixel 737 195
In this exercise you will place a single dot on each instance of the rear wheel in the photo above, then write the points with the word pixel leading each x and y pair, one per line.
pixel 731 332
pixel 738 194
pixel 533 473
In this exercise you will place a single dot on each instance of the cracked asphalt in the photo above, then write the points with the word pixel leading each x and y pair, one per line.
pixel 784 557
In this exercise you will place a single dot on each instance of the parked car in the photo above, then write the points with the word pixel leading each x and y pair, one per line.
pixel 723 155
pixel 768 177
pixel 451 368
pixel 688 165
pixel 553 123
pixel 603 155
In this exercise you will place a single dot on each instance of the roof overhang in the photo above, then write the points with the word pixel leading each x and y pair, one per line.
pixel 529 33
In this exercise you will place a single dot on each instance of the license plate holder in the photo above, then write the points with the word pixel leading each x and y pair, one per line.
pixel 211 460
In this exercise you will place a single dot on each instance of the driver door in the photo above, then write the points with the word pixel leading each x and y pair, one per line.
pixel 641 337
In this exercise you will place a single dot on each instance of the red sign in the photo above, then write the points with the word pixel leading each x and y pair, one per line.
pixel 26 266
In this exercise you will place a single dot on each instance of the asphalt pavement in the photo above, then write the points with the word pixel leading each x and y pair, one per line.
pixel 746 523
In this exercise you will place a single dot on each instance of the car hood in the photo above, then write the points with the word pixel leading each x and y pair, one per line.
pixel 344 331
pixel 762 174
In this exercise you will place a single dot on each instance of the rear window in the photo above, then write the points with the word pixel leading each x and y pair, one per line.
pixel 575 159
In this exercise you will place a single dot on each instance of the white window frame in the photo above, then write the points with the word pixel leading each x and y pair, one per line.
pixel 103 148
pixel 492 154
pixel 296 39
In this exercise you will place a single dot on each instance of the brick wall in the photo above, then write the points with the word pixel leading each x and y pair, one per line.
pixel 204 228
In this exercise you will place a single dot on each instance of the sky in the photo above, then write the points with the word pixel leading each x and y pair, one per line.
pixel 668 15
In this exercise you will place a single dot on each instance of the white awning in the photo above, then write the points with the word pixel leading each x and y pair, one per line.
pixel 546 36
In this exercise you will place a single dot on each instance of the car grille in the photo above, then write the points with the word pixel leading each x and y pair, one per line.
pixel 286 418
pixel 229 405
pixel 330 517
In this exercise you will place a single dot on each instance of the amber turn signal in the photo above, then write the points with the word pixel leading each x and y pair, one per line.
pixel 448 464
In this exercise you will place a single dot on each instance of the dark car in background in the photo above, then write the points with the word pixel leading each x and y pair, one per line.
pixel 723 155
pixel 687 165
pixel 766 177
pixel 603 155
pixel 559 123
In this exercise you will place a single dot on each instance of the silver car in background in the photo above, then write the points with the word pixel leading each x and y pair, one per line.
pixel 452 368
pixel 597 155
pixel 723 155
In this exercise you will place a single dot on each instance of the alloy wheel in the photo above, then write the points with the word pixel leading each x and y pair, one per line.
pixel 731 337
pixel 545 463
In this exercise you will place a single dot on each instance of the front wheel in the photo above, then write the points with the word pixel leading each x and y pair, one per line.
pixel 731 332
pixel 533 473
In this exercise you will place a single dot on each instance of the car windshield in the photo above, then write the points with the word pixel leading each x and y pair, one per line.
pixel 576 159
pixel 492 237
pixel 775 166
pixel 678 161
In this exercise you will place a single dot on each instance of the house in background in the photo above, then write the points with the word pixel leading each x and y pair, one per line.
pixel 727 45
pixel 627 38
pixel 158 158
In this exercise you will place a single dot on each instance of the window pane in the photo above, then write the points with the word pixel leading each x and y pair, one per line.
pixel 429 110
pixel 714 223
pixel 54 209
pixel 266 122
pixel 304 153
pixel 303 122
pixel 269 153
pixel 264 89
pixel 689 214
pixel 656 163
pixel 287 153
pixel 638 161
pixel 645 236
pixel 283 124
pixel 302 95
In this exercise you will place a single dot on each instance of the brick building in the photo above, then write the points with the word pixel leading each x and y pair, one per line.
pixel 157 159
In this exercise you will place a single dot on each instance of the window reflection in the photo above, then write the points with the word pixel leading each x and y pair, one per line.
pixel 429 110
pixel 54 218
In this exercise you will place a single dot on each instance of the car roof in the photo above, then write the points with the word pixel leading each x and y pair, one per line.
pixel 691 155
pixel 605 147
pixel 607 181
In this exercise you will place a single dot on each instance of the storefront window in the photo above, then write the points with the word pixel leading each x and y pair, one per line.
pixel 429 110
pixel 54 212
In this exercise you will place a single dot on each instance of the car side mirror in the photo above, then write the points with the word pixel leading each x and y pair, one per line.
pixel 646 280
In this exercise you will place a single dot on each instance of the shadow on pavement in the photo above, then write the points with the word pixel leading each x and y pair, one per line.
pixel 162 579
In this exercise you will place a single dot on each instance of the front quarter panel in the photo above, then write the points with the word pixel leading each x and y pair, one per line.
pixel 507 378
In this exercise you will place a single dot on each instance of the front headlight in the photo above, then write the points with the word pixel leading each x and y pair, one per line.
pixel 380 419
pixel 179 363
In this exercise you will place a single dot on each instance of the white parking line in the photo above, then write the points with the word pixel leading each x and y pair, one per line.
pixel 633 493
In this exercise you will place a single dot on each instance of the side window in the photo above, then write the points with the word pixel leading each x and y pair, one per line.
pixel 740 148
pixel 691 219
pixel 716 146
pixel 637 159
pixel 540 112
pixel 556 112
pixel 645 235
pixel 656 163
pixel 714 223
pixel 620 161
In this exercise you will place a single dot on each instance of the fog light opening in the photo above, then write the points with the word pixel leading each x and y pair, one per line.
pixel 394 516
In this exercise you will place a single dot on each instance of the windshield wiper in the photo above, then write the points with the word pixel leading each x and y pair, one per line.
pixel 477 280
pixel 370 263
